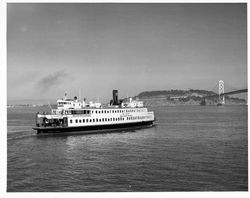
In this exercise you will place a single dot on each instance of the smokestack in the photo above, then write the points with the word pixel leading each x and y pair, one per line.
pixel 115 97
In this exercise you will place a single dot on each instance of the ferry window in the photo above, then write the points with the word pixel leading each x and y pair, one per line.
pixel 92 111
pixel 84 111
pixel 87 120
pixel 102 111
pixel 83 120
pixel 76 121
pixel 105 111
pixel 112 111
pixel 90 120
pixel 80 121
pixel 100 120
pixel 105 119
pixel 96 119
pixel 95 111
pixel 70 121
pixel 93 120
pixel 99 112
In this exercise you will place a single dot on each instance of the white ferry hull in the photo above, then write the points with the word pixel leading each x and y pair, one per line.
pixel 94 128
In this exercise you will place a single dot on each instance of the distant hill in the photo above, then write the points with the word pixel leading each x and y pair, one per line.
pixel 183 97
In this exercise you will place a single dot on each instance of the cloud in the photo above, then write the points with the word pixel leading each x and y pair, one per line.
pixel 47 82
pixel 23 29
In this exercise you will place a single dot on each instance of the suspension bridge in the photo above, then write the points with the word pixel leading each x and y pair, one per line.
pixel 221 94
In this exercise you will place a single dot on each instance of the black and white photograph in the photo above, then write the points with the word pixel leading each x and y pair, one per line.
pixel 126 97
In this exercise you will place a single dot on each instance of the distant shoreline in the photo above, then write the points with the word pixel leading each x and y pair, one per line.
pixel 189 97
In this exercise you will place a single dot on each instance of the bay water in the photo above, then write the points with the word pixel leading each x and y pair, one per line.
pixel 191 148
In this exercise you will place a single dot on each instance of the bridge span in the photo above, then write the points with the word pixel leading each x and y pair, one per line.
pixel 221 95
pixel 227 93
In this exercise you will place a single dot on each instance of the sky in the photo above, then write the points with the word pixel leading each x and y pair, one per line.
pixel 56 48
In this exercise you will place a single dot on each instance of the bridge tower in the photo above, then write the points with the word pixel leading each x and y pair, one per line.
pixel 221 91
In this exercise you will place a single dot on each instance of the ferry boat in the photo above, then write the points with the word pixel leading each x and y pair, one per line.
pixel 72 115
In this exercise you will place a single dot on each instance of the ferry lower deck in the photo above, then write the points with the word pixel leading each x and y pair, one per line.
pixel 94 128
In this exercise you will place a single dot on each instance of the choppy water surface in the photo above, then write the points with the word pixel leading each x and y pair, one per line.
pixel 192 148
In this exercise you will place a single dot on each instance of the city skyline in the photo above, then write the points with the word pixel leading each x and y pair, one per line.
pixel 56 48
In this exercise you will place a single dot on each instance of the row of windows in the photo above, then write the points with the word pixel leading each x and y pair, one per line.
pixel 62 103
pixel 117 111
pixel 136 117
pixel 105 119
pixel 80 111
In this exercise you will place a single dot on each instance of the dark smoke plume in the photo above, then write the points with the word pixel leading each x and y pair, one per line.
pixel 52 80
